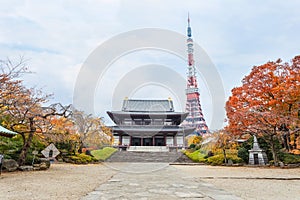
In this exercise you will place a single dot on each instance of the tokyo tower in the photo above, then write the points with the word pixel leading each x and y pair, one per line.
pixel 195 117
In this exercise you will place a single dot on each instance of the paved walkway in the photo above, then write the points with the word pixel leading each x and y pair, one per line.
pixel 154 181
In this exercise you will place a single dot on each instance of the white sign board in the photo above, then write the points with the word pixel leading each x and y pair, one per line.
pixel 50 151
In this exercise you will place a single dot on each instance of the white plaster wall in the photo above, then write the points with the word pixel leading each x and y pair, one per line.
pixel 125 140
pixel 170 141
pixel 179 140
pixel 116 140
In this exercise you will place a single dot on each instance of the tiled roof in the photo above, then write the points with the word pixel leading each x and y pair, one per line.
pixel 135 105
pixel 7 133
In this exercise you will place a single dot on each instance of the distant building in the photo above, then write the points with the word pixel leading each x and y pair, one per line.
pixel 148 123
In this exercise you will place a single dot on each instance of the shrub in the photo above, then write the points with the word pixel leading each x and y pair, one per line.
pixel 288 158
pixel 82 159
pixel 216 160
pixel 88 152
pixel 219 159
pixel 192 146
pixel 11 148
pixel 243 153
pixel 210 154
pixel 197 147
pixel 234 158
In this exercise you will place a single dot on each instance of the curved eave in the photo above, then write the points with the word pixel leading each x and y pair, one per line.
pixel 117 116
pixel 152 129
pixel 6 133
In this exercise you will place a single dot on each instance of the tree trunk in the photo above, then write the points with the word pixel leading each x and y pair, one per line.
pixel 273 150
pixel 25 149
pixel 27 144
pixel 295 141
pixel 286 141
pixel 81 146
pixel 225 158
pixel 290 148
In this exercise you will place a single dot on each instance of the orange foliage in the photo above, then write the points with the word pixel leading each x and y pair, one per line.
pixel 268 100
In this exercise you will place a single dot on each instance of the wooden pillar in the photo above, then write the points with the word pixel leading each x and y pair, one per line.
pixel 130 139
pixel 153 140
pixel 165 140
pixel 120 139
pixel 174 140
pixel 142 142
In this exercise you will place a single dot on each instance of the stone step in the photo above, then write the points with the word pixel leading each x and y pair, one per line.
pixel 148 148
pixel 132 156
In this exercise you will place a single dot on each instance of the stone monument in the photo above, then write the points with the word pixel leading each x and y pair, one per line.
pixel 257 156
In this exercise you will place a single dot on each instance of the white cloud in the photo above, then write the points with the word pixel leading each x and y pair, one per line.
pixel 58 36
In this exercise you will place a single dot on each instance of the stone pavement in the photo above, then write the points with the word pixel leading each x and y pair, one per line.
pixel 154 181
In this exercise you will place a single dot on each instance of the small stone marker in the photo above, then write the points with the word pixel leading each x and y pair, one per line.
pixel 257 156
pixel 50 151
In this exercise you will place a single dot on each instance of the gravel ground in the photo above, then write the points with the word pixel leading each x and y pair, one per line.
pixel 66 181
pixel 61 181
pixel 250 183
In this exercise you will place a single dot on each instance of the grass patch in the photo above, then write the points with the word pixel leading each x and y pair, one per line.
pixel 196 156
pixel 103 154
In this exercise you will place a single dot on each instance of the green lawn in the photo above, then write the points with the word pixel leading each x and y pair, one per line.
pixel 103 154
pixel 196 156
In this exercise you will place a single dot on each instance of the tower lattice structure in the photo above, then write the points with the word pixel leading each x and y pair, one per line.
pixel 195 117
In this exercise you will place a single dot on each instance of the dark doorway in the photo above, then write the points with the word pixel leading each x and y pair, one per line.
pixel 51 153
pixel 160 142
pixel 135 141
pixel 147 142
pixel 256 162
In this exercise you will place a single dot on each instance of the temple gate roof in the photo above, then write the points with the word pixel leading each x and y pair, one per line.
pixel 137 105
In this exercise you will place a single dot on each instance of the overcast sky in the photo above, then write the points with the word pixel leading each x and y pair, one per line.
pixel 57 37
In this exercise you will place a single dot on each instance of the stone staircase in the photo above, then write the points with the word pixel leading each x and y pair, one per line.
pixel 148 148
pixel 135 156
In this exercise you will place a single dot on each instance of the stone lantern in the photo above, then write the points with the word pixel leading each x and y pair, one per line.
pixel 257 156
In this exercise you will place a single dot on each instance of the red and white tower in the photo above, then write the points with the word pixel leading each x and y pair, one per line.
pixel 195 117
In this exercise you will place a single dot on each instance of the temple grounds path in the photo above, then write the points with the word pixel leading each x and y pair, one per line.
pixel 250 183
pixel 61 181
pixel 150 181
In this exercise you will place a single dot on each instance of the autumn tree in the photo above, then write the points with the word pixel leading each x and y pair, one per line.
pixel 22 109
pixel 222 140
pixel 91 130
pixel 62 132
pixel 267 103
pixel 9 79
pixel 195 140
